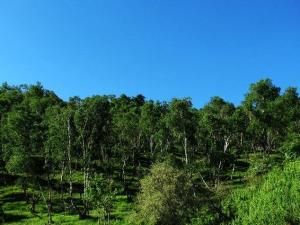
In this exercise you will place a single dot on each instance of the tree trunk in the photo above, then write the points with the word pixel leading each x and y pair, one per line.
pixel 86 205
pixel 133 157
pixel 242 139
pixel 33 203
pixel 24 187
pixel 151 145
pixel 85 190
pixel 124 177
pixel 49 208
pixel 48 203
pixel 185 151
pixel 85 180
pixel 204 181
pixel 62 173
pixel 220 165
pixel 226 143
pixel 70 160
pixel 232 172
pixel 123 170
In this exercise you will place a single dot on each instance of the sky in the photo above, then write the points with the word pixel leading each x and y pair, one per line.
pixel 159 48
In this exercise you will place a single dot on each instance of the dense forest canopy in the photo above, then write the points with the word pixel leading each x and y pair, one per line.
pixel 128 160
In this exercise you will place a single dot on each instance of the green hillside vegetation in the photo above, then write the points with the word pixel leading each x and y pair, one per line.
pixel 129 160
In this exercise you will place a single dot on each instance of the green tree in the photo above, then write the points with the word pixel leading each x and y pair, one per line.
pixel 149 124
pixel 61 135
pixel 127 135
pixel 259 107
pixel 217 124
pixel 180 121
pixel 92 119
pixel 102 195
pixel 18 150
pixel 166 197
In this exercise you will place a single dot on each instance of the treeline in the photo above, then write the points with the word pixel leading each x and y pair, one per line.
pixel 86 143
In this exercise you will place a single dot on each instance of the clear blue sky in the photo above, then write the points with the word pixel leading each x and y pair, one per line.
pixel 160 48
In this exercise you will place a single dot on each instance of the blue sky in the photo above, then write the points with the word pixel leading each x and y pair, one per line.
pixel 160 48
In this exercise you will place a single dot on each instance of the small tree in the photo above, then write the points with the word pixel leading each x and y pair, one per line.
pixel 101 195
pixel 166 197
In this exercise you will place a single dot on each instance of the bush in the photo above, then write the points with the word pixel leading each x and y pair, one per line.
pixel 291 147
pixel 276 201
pixel 206 216
pixel 166 197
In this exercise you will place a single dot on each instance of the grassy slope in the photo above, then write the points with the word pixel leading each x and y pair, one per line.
pixel 17 212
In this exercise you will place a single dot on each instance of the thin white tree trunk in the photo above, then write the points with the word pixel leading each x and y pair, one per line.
pixel 232 172
pixel 185 151
pixel 226 143
pixel 204 181
pixel 62 174
pixel 151 145
pixel 70 160
pixel 123 169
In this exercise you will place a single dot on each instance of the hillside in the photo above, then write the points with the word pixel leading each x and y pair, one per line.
pixel 129 160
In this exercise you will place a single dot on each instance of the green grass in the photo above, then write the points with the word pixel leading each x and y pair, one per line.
pixel 17 210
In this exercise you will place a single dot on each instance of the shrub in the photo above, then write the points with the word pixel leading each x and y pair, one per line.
pixel 166 197
pixel 275 201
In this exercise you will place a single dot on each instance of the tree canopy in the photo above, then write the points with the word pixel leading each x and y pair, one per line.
pixel 167 162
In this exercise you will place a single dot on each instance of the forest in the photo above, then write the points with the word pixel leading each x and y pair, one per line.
pixel 129 160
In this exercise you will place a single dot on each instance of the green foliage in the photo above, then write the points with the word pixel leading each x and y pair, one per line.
pixel 205 216
pixel 274 201
pixel 180 122
pixel 50 145
pixel 166 197
pixel 259 165
pixel 17 163
pixel 259 107
pixel 291 146
pixel 102 194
